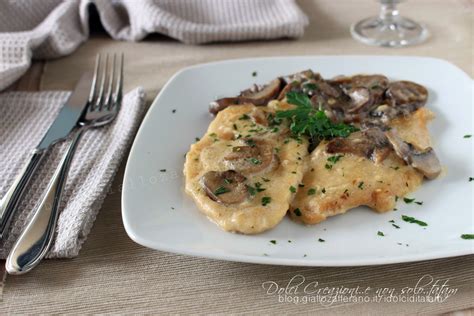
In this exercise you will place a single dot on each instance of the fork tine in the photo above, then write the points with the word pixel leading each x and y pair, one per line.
pixel 110 79
pixel 94 81
pixel 117 98
pixel 100 97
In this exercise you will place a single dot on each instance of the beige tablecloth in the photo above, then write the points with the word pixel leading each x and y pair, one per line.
pixel 113 274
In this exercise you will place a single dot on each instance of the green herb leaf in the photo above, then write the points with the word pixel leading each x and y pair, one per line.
pixel 254 74
pixel 292 189
pixel 244 117
pixel 312 191
pixel 308 121
pixel 250 142
pixel 408 201
pixel 361 185
pixel 413 220
pixel 273 242
pixel 468 136
pixel 266 200
pixel 471 179
pixel 321 240
pixel 255 161
pixel 221 190
pixel 396 226
pixel 297 212
pixel 379 233
pixel 467 236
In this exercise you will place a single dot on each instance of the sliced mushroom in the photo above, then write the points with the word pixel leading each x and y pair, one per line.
pixel 371 144
pixel 256 156
pixel 364 90
pixel 225 187
pixel 424 161
pixel 256 96
pixel 360 98
pixel 406 92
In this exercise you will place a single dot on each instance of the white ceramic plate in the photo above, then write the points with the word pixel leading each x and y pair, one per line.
pixel 158 214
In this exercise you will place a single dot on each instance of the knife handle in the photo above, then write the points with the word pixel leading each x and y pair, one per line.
pixel 36 238
pixel 10 201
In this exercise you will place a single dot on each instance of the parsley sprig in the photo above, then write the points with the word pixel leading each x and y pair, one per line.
pixel 311 122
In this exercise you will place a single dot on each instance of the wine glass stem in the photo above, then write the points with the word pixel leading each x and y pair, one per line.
pixel 388 12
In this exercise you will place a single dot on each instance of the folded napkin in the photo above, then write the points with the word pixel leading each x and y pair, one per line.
pixel 53 28
pixel 24 119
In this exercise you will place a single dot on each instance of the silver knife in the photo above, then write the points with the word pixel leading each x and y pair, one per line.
pixel 60 129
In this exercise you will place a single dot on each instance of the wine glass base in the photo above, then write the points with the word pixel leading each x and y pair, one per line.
pixel 397 32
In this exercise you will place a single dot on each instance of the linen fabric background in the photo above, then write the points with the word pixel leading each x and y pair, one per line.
pixel 53 28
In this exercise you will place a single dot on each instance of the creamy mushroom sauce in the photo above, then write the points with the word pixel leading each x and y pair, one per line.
pixel 244 173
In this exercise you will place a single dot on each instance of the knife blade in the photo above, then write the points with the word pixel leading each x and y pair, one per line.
pixel 64 123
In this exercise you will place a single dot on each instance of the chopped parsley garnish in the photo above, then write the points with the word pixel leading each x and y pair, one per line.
pixel 214 136
pixel 323 190
pixel 258 187
pixel 361 185
pixel 235 126
pixel 254 190
pixel 334 159
pixel 266 200
pixel 197 139
pixel 413 220
pixel 297 212
pixel 221 190
pixel 321 240
pixel 162 170
pixel 250 142
pixel 468 136
pixel 292 189
pixel 306 120
pixel 228 181
pixel 255 161
pixel 312 191
pixel 408 201
pixel 471 179
pixel 289 241
pixel 300 185
pixel 254 74
pixel 396 226
pixel 265 179
pixel 467 236
pixel 310 86
pixel 173 111
pixel 244 117
pixel 395 168
pixel 391 221
pixel 273 242
pixel 379 233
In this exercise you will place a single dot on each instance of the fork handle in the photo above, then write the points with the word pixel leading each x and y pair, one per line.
pixel 36 238
pixel 10 201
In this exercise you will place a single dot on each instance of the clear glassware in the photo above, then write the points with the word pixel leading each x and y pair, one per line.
pixel 389 29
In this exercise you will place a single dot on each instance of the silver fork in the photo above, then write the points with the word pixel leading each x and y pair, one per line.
pixel 103 106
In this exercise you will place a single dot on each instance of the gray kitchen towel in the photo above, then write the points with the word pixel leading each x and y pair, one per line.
pixel 53 28
pixel 24 119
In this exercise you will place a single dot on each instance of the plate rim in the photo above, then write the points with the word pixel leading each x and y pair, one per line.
pixel 269 260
